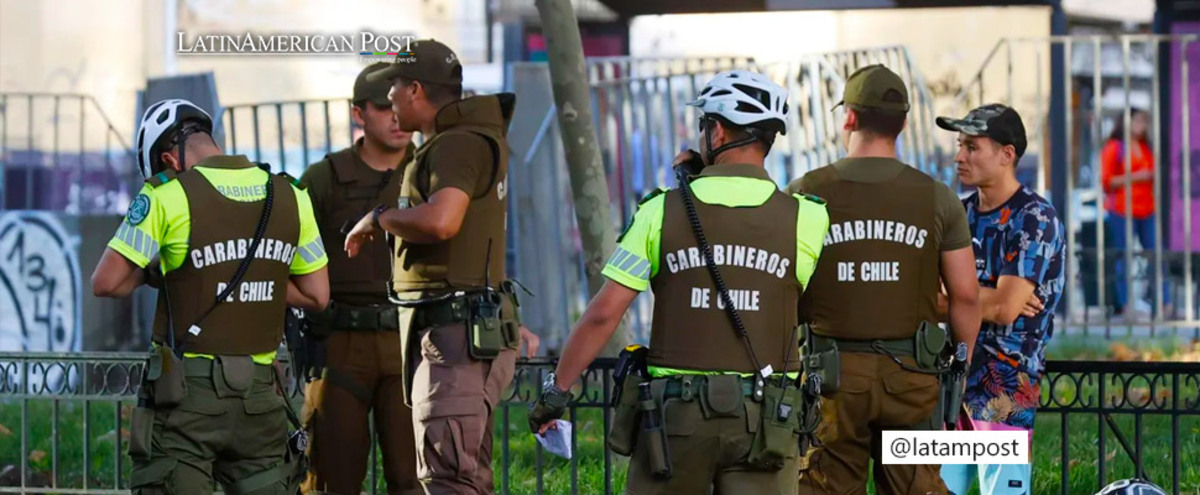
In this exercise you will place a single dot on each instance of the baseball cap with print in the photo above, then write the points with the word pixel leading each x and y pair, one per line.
pixel 430 61
pixel 996 121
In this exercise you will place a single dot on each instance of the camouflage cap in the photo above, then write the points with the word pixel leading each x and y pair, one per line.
pixel 430 61
pixel 374 91
pixel 995 121
pixel 876 86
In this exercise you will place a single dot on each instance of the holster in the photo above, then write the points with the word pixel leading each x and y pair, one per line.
pixel 166 377
pixel 141 424
pixel 819 357
pixel 930 344
pixel 628 376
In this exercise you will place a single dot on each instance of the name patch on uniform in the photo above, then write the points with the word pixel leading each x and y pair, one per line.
pixel 876 230
pixel 263 291
pixel 731 255
pixel 868 271
pixel 236 249
pixel 743 300
pixel 138 210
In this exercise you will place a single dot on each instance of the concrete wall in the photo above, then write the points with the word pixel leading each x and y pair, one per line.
pixel 107 49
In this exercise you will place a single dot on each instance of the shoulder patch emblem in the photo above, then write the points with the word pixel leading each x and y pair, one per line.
pixel 812 198
pixel 138 210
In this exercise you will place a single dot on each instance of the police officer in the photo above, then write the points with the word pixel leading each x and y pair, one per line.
pixel 715 390
pixel 362 366
pixel 458 324
pixel 230 245
pixel 893 233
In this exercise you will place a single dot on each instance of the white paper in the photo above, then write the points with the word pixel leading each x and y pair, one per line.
pixel 557 439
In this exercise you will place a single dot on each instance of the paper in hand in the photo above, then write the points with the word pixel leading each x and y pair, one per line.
pixel 557 439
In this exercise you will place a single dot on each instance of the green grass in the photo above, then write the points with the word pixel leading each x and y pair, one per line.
pixel 41 426
pixel 523 451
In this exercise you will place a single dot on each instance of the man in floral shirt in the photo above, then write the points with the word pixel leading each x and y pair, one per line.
pixel 1019 258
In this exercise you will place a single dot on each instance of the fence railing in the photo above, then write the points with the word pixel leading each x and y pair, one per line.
pixel 642 122
pixel 1103 79
pixel 64 420
pixel 61 152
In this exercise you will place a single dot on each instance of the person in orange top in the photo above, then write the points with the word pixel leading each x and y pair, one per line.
pixel 1140 180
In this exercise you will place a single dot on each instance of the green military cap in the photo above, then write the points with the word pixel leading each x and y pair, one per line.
pixel 429 61
pixel 374 91
pixel 876 86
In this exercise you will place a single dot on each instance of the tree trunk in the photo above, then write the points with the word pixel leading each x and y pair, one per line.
pixel 568 77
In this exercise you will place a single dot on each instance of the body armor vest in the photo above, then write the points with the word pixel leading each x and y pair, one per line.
pixel 878 275
pixel 476 254
pixel 755 250
pixel 355 190
pixel 251 320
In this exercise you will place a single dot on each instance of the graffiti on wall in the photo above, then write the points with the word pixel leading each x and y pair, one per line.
pixel 39 288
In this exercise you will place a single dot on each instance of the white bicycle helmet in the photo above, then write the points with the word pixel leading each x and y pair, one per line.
pixel 745 98
pixel 1133 486
pixel 163 119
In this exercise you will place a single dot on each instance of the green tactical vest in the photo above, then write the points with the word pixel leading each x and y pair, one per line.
pixel 755 250
pixel 462 261
pixel 355 190
pixel 251 320
pixel 878 275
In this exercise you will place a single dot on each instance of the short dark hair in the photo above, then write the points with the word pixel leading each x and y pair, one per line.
pixel 766 137
pixel 439 94
pixel 880 122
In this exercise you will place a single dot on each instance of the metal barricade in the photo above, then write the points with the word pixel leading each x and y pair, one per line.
pixel 642 122
pixel 1104 79
pixel 61 152
pixel 1097 421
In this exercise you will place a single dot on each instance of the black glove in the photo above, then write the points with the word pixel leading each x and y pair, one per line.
pixel 550 406
pixel 153 275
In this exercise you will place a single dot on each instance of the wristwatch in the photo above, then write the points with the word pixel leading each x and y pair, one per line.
pixel 375 215
pixel 552 395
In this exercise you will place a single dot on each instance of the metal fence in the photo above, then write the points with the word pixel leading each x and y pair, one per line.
pixel 61 152
pixel 642 122
pixel 1102 80
pixel 62 415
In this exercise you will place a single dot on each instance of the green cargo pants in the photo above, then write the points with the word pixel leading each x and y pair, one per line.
pixel 231 427
pixel 708 455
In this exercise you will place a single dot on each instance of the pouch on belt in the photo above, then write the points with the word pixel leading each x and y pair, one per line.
pixel 233 376
pixel 777 438
pixel 486 327
pixel 169 386
pixel 721 396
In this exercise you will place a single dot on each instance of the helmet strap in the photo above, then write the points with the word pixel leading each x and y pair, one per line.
pixel 712 154
pixel 181 138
